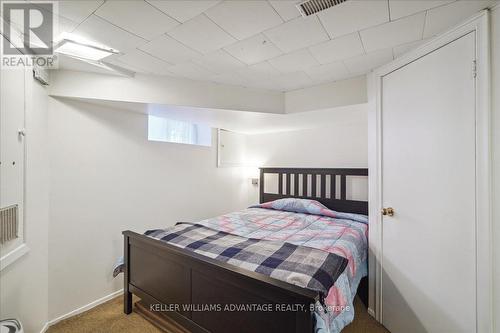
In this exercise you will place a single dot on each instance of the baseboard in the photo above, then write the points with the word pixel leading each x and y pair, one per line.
pixel 84 308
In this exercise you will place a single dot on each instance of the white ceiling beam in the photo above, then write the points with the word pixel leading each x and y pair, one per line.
pixel 164 90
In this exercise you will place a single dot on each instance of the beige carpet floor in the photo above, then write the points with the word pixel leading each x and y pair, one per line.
pixel 109 318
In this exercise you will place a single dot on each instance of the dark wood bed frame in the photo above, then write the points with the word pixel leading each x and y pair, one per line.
pixel 166 278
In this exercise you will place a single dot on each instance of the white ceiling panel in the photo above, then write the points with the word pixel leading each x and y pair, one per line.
pixel 191 71
pixel 405 30
pixel 441 18
pixel 229 78
pixel 293 81
pixel 294 61
pixel 254 49
pixel 340 48
pixel 402 8
pixel 219 62
pixel 183 10
pixel 137 17
pixel 202 34
pixel 260 76
pixel 354 15
pixel 243 19
pixel 78 10
pixel 263 43
pixel 330 72
pixel 146 62
pixel 96 29
pixel 170 50
pixel 298 33
pixel 404 48
pixel 64 25
pixel 262 71
pixel 363 64
pixel 287 9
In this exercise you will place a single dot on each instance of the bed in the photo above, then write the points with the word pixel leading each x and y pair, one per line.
pixel 176 283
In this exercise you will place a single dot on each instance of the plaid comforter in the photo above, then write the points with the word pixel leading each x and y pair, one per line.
pixel 303 266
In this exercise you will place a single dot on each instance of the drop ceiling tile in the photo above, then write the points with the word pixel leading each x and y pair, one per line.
pixel 260 76
pixel 444 17
pixel 202 35
pixel 243 19
pixel 405 30
pixel 294 61
pixel 352 16
pixel 287 9
pixel 146 62
pixel 363 64
pixel 298 33
pixel 262 71
pixel 191 71
pixel 293 81
pixel 234 79
pixel 340 48
pixel 183 10
pixel 137 17
pixel 77 10
pixel 399 8
pixel 96 29
pixel 331 72
pixel 64 25
pixel 219 62
pixel 170 50
pixel 404 48
pixel 254 49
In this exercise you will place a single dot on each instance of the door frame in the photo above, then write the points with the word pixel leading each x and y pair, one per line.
pixel 479 24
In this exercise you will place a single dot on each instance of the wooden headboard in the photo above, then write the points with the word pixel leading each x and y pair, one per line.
pixel 320 184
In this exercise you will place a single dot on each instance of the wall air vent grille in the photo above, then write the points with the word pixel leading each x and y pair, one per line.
pixel 310 7
pixel 8 223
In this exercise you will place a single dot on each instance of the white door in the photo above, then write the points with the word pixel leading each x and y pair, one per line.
pixel 428 177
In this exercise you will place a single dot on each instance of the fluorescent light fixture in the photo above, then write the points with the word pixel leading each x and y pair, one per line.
pixel 77 47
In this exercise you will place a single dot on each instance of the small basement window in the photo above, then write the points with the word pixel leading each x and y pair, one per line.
pixel 175 131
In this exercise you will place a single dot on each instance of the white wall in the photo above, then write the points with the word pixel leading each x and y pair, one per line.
pixel 342 143
pixel 106 177
pixel 23 284
pixel 496 163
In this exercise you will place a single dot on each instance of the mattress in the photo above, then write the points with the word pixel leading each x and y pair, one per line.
pixel 308 223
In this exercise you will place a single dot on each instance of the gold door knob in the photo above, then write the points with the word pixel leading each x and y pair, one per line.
pixel 388 211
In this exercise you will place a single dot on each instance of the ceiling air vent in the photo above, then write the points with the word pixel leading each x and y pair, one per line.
pixel 310 7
